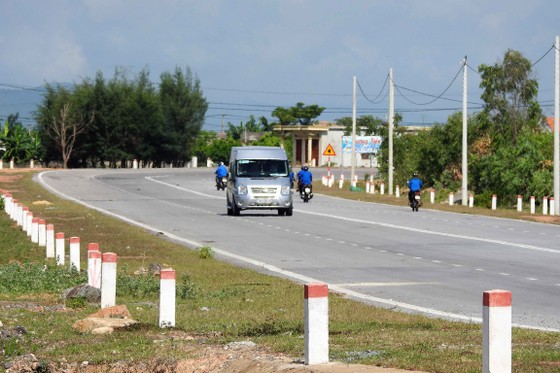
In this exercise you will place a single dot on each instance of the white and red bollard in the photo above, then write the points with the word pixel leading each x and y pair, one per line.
pixel 494 201
pixel 545 205
pixel 432 196
pixel 367 186
pixel 108 279
pixel 167 298
pixel 75 253
pixel 50 241
pixel 532 204
pixel 382 189
pixel 551 205
pixel 94 265
pixel 24 213
pixel 35 230
pixel 316 323
pixel 398 192
pixel 59 248
pixel 29 223
pixel 451 198
pixel 42 234
pixel 496 333
pixel 471 200
pixel 519 203
pixel 341 182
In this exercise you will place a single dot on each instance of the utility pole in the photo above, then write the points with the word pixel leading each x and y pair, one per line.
pixel 353 161
pixel 465 187
pixel 556 126
pixel 390 125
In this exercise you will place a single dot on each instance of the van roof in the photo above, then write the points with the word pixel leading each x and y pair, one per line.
pixel 257 152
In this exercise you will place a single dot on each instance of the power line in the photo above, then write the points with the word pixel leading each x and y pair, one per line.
pixel 379 94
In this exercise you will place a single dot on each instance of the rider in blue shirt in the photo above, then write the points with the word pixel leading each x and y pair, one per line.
pixel 415 184
pixel 304 177
pixel 221 171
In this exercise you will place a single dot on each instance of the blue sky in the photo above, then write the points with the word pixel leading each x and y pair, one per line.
pixel 252 56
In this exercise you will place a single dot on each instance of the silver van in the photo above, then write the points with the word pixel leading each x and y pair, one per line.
pixel 259 179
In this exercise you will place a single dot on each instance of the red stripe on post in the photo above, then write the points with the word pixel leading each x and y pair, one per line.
pixel 94 254
pixel 167 274
pixel 74 239
pixel 35 220
pixel 59 235
pixel 496 298
pixel 109 257
pixel 316 290
pixel 50 227
pixel 93 246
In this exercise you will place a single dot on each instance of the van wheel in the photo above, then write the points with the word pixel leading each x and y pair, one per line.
pixel 281 212
pixel 234 209
pixel 290 211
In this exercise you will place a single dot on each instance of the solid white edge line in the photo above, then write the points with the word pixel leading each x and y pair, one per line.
pixel 295 276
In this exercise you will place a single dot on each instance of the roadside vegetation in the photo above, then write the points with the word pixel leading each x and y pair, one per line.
pixel 217 303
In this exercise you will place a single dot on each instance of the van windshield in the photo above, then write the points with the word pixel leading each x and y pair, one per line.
pixel 261 168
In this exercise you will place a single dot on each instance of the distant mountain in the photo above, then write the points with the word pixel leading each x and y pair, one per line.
pixel 22 101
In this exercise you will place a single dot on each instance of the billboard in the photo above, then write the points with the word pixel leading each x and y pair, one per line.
pixel 364 144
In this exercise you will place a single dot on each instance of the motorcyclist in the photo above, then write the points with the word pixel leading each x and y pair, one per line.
pixel 414 184
pixel 304 178
pixel 220 172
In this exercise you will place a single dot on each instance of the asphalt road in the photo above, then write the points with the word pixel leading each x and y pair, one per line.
pixel 429 262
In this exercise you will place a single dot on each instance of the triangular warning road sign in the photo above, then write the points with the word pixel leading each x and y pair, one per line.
pixel 329 151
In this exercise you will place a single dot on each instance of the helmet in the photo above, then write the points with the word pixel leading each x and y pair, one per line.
pixel 305 168
pixel 221 163
pixel 415 174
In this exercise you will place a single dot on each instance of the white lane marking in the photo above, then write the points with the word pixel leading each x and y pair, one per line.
pixel 295 276
pixel 376 284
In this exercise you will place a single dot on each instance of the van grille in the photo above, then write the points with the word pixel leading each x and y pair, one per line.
pixel 264 190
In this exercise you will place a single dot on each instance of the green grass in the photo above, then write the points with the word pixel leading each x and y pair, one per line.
pixel 216 303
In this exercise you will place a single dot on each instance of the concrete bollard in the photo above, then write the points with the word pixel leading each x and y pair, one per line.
pixel 331 181
pixel 50 241
pixel 494 201
pixel 59 248
pixel 35 230
pixel 551 205
pixel 496 333
pixel 451 198
pixel 1 164
pixel 24 213
pixel 7 203
pixel 108 279
pixel 372 188
pixel 42 234
pixel 18 213
pixel 519 203
pixel 11 164
pixel 75 253
pixel 382 189
pixel 167 298
pixel 367 186
pixel 532 203
pixel 13 208
pixel 341 182
pixel 545 205
pixel 471 200
pixel 397 192
pixel 135 164
pixel 94 268
pixel 432 196
pixel 29 223
pixel 316 323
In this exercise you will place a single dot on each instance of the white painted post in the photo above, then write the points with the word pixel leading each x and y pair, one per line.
pixel 331 181
pixel 353 182
pixel 50 241
pixel 432 196
pixel 532 204
pixel 108 279
pixel 382 188
pixel 42 234
pixel 11 164
pixel 341 182
pixel 552 206
pixel 29 223
pixel 35 230
pixel 59 248
pixel 519 203
pixel 1 164
pixel 372 188
pixel 397 192
pixel 471 200
pixel 367 186
pixel 13 208
pixel 494 201
pixel 545 205
pixel 19 212
pixel 451 198
pixel 135 164
pixel 24 213
pixel 496 341
pixel 31 164
pixel 7 203
pixel 167 298
pixel 316 323
pixel 94 268
pixel 75 253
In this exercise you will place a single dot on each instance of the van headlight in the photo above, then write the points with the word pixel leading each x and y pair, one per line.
pixel 242 189
pixel 286 190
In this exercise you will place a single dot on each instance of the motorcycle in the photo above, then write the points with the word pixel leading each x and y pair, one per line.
pixel 415 201
pixel 221 183
pixel 306 192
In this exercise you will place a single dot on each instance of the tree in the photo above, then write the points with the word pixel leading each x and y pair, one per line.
pixel 18 143
pixel 298 114
pixel 366 125
pixel 510 96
